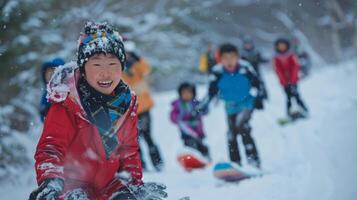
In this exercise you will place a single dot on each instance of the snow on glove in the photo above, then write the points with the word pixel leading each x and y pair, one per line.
pixel 49 189
pixel 149 191
pixel 123 193
pixel 76 194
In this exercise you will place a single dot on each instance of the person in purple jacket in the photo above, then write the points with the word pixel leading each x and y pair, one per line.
pixel 187 114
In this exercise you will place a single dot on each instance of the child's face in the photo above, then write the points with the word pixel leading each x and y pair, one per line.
pixel 103 72
pixel 230 60
pixel 48 74
pixel 187 94
pixel 282 47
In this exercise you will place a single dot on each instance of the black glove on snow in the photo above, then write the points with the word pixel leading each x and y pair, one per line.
pixel 149 191
pixel 49 189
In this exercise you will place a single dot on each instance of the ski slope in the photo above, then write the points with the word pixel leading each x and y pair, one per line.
pixel 311 159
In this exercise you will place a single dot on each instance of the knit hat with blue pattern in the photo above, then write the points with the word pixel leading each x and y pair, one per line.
pixel 99 38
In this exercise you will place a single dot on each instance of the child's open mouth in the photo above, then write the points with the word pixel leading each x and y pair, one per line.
pixel 105 84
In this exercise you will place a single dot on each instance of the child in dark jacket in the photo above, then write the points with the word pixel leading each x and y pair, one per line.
pixel 287 68
pixel 89 144
pixel 187 114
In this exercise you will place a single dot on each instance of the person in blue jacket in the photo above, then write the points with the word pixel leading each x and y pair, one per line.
pixel 238 85
pixel 47 71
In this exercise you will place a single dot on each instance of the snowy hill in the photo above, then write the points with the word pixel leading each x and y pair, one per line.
pixel 311 159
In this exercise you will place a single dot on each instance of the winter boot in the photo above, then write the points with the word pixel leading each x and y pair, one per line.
pixel 233 149
pixel 250 148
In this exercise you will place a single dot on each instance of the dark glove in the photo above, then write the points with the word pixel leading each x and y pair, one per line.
pixel 213 89
pixel 258 104
pixel 123 193
pixel 76 194
pixel 203 107
pixel 149 191
pixel 49 189
pixel 264 92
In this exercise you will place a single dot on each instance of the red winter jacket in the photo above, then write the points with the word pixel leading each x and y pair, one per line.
pixel 70 148
pixel 287 68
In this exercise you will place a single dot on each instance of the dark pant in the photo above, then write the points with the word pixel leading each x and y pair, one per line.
pixel 195 143
pixel 144 127
pixel 291 92
pixel 239 125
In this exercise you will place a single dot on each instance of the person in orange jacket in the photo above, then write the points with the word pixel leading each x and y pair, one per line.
pixel 207 60
pixel 137 69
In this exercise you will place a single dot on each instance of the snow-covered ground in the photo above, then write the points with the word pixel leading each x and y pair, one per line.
pixel 311 159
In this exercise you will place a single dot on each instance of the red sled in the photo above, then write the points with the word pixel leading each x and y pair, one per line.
pixel 190 162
